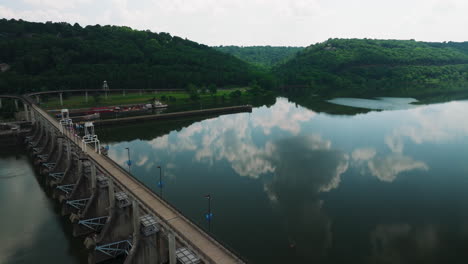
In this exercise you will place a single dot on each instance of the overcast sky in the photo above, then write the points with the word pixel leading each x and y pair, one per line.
pixel 261 22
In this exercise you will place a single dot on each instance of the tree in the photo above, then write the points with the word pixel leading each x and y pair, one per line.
pixel 97 98
pixel 212 89
pixel 193 92
pixel 255 89
pixel 235 94
pixel 60 54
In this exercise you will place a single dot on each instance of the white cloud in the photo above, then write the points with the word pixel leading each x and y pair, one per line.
pixel 282 115
pixel 230 138
pixel 160 142
pixel 433 123
pixel 335 181
pixel 43 15
pixel 142 161
pixel 418 126
pixel 261 22
pixel 56 4
pixel 389 167
pixel 363 154
pixel 7 12
pixel 385 168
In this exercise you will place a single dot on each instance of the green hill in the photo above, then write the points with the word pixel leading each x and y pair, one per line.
pixel 377 67
pixel 264 56
pixel 48 56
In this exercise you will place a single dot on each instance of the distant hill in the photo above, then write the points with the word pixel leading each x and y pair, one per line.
pixel 48 56
pixel 377 67
pixel 265 56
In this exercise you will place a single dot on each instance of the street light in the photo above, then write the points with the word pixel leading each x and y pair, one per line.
pixel 129 162
pixel 160 183
pixel 209 215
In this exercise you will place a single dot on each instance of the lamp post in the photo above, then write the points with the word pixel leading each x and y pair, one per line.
pixel 129 162
pixel 160 183
pixel 209 215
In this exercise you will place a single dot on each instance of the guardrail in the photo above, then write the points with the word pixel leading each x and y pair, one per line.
pixel 191 221
pixel 227 249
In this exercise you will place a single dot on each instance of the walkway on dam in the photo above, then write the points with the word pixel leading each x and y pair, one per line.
pixel 205 245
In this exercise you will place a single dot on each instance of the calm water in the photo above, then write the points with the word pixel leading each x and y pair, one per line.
pixel 380 103
pixel 290 185
pixel 31 230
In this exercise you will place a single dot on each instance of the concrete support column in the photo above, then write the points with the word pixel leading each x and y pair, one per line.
pixel 111 194
pixel 93 176
pixel 172 249
pixel 46 129
pixel 86 96
pixel 1 103
pixel 80 167
pixel 136 219
pixel 123 92
pixel 61 99
pixel 26 112
pixel 68 153
pixel 157 248
pixel 16 105
pixel 38 99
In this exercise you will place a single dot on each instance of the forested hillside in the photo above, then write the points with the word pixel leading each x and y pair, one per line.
pixel 48 56
pixel 38 56
pixel 265 56
pixel 380 67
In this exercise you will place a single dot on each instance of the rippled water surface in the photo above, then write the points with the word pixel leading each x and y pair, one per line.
pixel 290 185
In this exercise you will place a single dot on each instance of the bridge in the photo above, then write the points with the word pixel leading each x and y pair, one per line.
pixel 117 216
pixel 16 99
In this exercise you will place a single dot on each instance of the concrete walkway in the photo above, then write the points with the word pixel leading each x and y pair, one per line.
pixel 205 246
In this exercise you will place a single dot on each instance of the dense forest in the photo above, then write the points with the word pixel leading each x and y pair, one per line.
pixel 50 56
pixel 377 67
pixel 263 56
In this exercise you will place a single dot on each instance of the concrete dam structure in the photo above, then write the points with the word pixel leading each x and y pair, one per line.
pixel 115 214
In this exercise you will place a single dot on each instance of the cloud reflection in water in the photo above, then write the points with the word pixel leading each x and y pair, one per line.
pixel 305 167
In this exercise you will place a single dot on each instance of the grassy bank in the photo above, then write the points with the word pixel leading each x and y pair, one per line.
pixel 173 99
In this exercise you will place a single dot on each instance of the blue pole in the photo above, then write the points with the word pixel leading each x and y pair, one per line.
pixel 160 183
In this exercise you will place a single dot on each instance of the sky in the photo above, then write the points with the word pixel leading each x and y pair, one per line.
pixel 260 22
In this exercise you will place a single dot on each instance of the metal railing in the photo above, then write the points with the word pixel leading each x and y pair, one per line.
pixel 181 236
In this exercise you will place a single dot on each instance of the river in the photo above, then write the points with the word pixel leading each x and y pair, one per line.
pixel 292 185
pixel 31 229
pixel 288 184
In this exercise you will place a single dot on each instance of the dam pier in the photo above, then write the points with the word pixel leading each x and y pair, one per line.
pixel 117 216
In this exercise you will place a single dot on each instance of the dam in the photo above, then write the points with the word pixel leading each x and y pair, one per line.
pixel 114 214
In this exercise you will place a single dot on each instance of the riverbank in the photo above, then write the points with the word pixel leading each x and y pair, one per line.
pixel 212 111
pixel 172 98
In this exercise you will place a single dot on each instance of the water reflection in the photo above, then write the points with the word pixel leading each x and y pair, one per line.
pixel 436 124
pixel 297 182
pixel 381 103
pixel 331 188
pixel 230 138
pixel 398 243
pixel 385 168
pixel 30 231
